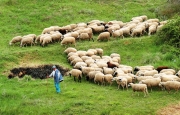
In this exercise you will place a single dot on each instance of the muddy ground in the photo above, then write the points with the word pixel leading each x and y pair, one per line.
pixel 41 71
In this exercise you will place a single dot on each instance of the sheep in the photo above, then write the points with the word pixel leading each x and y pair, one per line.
pixel 101 64
pixel 72 54
pixel 114 55
pixel 151 82
pixel 79 64
pixel 147 67
pixel 68 40
pixel 104 36
pixel 70 49
pixel 149 73
pixel 152 29
pixel 26 41
pixel 86 70
pixel 139 78
pixel 111 64
pixel 108 79
pixel 117 33
pixel 89 53
pixel 76 74
pixel 118 81
pixel 90 76
pixel 178 73
pixel 108 70
pixel 139 87
pixel 123 82
pixel 47 30
pixel 89 61
pixel 74 61
pixel 95 57
pixel 98 29
pixel 74 34
pixel 144 17
pixel 165 78
pixel 170 85
pixel 166 70
pixel 56 37
pixel 15 40
pixel 126 31
pixel 137 31
pixel 46 40
pixel 99 52
pixel 129 68
pixel 93 65
pixel 71 58
pixel 84 58
pixel 99 78
pixel 81 53
pixel 118 71
pixel 159 68
pixel 85 36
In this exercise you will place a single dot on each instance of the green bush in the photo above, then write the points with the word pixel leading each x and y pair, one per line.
pixel 168 10
pixel 170 34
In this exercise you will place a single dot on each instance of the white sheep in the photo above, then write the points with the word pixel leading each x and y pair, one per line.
pixel 75 60
pixel 170 85
pixel 70 49
pixel 139 87
pixel 99 78
pixel 117 33
pixel 95 57
pixel 91 75
pixel 86 70
pixel 152 29
pixel 168 70
pixel 68 40
pixel 76 74
pixel 47 40
pixel 149 73
pixel 79 64
pixel 81 53
pixel 108 79
pixel 99 51
pixel 26 41
pixel 151 82
pixel 104 36
pixel 15 40
pixel 139 78
pixel 107 70
pixel 126 31
pixel 85 36
pixel 137 31
pixel 165 78
pixel 121 81
pixel 97 29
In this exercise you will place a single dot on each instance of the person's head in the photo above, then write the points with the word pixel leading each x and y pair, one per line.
pixel 54 67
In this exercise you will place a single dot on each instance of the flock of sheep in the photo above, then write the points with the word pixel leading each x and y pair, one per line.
pixel 69 34
pixel 103 70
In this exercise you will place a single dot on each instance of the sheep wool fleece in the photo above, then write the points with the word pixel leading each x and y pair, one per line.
pixel 56 81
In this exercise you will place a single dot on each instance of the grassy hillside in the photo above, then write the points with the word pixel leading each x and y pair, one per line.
pixel 20 17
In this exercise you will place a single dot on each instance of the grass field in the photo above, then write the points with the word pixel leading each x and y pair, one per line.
pixel 28 96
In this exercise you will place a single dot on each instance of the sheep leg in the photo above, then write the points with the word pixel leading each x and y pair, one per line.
pixel 74 79
pixel 79 78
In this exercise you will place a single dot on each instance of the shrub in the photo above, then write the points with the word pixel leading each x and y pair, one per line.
pixel 168 10
pixel 170 33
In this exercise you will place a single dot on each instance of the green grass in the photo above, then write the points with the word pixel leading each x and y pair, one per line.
pixel 28 96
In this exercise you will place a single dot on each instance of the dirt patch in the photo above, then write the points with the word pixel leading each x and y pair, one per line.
pixel 170 110
pixel 40 71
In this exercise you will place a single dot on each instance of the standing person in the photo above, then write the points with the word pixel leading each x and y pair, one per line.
pixel 56 74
